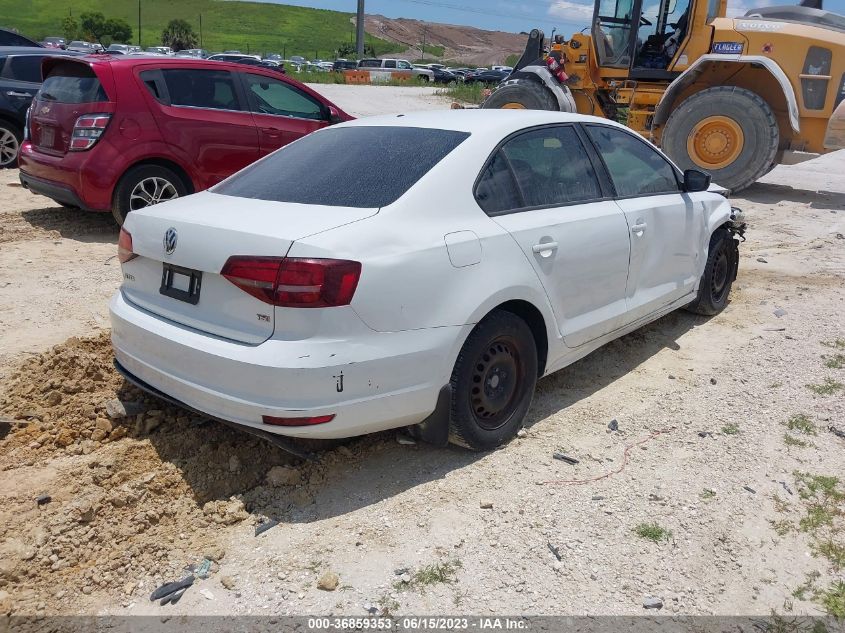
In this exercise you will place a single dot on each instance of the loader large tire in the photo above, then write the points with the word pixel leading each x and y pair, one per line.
pixel 727 131
pixel 521 94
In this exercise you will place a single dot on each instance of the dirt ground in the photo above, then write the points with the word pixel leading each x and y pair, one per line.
pixel 716 495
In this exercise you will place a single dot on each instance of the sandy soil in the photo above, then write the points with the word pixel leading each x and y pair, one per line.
pixel 703 450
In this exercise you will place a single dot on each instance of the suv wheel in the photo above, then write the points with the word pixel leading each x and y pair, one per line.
pixel 144 186
pixel 10 142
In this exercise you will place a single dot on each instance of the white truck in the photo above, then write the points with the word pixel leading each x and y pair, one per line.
pixel 396 65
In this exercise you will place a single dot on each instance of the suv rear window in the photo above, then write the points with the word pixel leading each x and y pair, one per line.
pixel 72 83
pixel 365 167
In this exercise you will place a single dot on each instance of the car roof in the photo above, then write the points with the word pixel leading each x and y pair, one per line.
pixel 495 122
pixel 31 50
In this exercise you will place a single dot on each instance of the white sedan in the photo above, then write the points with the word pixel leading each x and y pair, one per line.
pixel 417 270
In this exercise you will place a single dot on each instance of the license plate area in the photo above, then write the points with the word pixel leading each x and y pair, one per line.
pixel 47 137
pixel 181 283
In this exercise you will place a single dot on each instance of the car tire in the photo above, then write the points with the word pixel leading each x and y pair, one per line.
pixel 744 129
pixel 719 274
pixel 152 182
pixel 521 94
pixel 10 142
pixel 492 382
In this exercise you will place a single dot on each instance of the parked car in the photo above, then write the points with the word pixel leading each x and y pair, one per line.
pixel 397 65
pixel 78 46
pixel 121 133
pixel 20 79
pixel 199 53
pixel 443 76
pixel 12 38
pixel 505 68
pixel 340 65
pixel 54 42
pixel 160 50
pixel 119 49
pixel 232 57
pixel 420 270
pixel 488 76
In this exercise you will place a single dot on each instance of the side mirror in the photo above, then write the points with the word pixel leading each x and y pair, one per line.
pixel 695 180
pixel 334 116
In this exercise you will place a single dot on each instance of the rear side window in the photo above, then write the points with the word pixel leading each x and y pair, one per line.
pixel 71 82
pixel 546 167
pixel 365 167
pixel 197 88
pixel 23 68
pixel 274 96
pixel 635 167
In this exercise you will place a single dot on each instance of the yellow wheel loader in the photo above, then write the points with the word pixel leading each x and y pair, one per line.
pixel 731 96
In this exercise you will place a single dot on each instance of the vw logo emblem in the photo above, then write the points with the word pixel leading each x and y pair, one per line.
pixel 170 239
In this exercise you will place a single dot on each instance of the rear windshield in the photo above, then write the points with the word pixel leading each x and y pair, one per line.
pixel 364 167
pixel 72 83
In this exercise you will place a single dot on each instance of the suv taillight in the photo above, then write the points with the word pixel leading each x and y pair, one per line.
pixel 87 131
pixel 124 247
pixel 295 282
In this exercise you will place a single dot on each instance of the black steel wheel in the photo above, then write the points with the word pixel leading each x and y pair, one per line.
pixel 493 382
pixel 719 274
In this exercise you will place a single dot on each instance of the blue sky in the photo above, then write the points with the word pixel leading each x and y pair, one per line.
pixel 507 15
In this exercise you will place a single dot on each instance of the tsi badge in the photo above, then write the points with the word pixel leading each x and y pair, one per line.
pixel 727 48
pixel 170 239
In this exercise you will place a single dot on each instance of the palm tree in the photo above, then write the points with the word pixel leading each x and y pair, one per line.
pixel 179 35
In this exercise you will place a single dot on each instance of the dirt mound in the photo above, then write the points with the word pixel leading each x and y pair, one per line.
pixel 131 498
pixel 461 44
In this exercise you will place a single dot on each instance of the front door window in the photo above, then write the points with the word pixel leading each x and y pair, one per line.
pixel 612 32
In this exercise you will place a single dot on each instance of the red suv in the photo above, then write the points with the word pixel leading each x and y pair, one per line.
pixel 119 134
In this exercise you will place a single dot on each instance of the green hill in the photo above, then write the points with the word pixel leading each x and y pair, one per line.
pixel 226 24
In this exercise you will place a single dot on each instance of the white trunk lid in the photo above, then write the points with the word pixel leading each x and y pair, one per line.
pixel 209 229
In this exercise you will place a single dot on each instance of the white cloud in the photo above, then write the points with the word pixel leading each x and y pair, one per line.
pixel 571 11
pixel 737 8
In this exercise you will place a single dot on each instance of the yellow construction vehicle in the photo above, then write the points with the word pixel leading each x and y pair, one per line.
pixel 732 96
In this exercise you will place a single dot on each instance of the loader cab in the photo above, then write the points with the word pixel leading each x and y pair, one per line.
pixel 642 36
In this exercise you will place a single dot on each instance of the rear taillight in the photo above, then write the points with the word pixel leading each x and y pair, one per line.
pixel 87 131
pixel 274 421
pixel 295 282
pixel 26 133
pixel 124 247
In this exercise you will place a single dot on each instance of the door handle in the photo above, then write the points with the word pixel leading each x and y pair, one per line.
pixel 639 229
pixel 271 130
pixel 544 247
pixel 23 95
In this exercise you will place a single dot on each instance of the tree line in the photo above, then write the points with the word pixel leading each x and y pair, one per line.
pixel 95 27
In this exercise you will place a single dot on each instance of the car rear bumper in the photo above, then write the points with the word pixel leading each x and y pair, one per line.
pixel 369 381
pixel 58 192
pixel 75 178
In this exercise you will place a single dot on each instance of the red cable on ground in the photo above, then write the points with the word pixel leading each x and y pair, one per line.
pixel 576 482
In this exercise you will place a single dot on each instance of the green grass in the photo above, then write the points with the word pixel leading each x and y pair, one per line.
pixel 835 344
pixel 833 600
pixel 466 93
pixel 802 424
pixel 794 441
pixel 433 49
pixel 827 388
pixel 837 361
pixel 338 78
pixel 652 532
pixel 731 428
pixel 824 517
pixel 435 574
pixel 253 27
